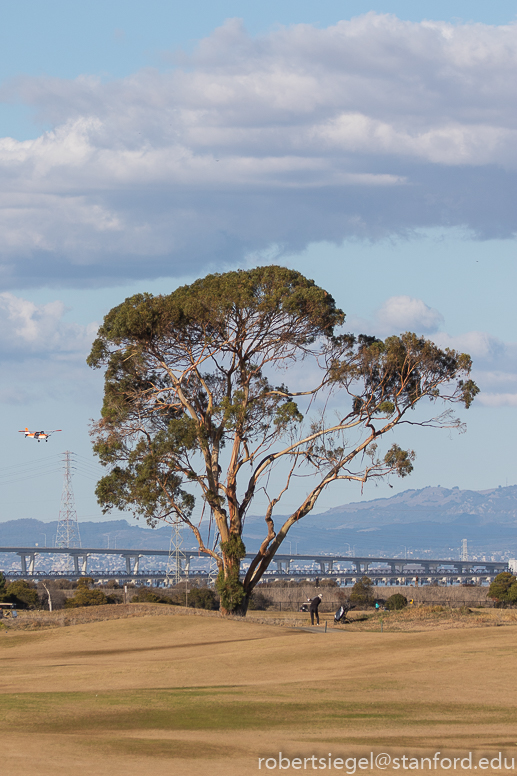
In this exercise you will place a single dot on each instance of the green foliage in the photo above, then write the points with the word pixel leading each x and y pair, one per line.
pixel 400 371
pixel 286 413
pixel 259 601
pixel 228 585
pixel 504 588
pixel 149 596
pixel 234 548
pixel 3 585
pixel 396 601
pixel 86 597
pixel 203 598
pixel 196 597
pixel 22 593
pixel 400 461
pixel 362 592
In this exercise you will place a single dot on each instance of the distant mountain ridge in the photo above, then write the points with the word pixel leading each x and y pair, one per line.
pixel 26 532
pixel 436 504
pixel 432 518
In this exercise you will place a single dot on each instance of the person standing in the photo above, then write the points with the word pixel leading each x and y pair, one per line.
pixel 314 609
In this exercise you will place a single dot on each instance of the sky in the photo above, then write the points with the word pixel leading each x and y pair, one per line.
pixel 371 146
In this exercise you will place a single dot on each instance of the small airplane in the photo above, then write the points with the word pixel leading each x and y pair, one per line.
pixel 39 435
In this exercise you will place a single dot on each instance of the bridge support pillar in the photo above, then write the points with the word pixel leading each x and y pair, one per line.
pixel 84 565
pixel 135 558
pixel 31 557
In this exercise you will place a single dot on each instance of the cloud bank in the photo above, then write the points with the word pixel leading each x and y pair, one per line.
pixel 372 127
pixel 27 329
pixel 42 355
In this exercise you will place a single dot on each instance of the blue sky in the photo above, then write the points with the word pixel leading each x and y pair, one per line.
pixel 370 146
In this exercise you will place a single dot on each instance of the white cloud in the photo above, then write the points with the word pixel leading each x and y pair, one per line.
pixel 396 315
pixel 43 356
pixel 405 313
pixel 478 343
pixel 498 399
pixel 494 364
pixel 374 126
pixel 28 330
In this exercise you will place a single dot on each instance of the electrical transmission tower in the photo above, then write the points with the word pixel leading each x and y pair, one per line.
pixel 68 528
pixel 213 570
pixel 176 555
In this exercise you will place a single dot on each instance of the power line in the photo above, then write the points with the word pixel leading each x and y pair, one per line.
pixel 34 460
pixel 23 477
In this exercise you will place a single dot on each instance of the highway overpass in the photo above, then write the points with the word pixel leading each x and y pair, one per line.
pixel 344 568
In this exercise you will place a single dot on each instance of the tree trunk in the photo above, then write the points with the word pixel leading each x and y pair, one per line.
pixel 234 598
pixel 242 609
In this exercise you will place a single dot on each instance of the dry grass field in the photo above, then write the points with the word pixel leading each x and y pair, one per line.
pixel 201 695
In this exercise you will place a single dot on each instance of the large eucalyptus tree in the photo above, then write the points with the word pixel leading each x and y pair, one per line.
pixel 199 400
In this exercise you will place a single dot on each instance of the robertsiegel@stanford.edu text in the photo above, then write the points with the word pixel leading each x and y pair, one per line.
pixel 385 762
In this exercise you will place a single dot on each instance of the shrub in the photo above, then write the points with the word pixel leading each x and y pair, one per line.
pixel 203 598
pixel 84 596
pixel 3 585
pixel 145 595
pixel 343 596
pixel 396 601
pixel 259 602
pixel 362 593
pixel 504 588
pixel 23 594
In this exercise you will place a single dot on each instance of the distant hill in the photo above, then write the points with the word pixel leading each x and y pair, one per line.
pixel 434 503
pixel 28 532
pixel 431 518
pixel 434 519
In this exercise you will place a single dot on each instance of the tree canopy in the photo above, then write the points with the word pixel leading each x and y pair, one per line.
pixel 22 593
pixel 85 596
pixel 362 592
pixel 197 403
pixel 504 588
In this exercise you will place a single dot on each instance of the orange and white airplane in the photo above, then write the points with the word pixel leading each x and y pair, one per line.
pixel 39 435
